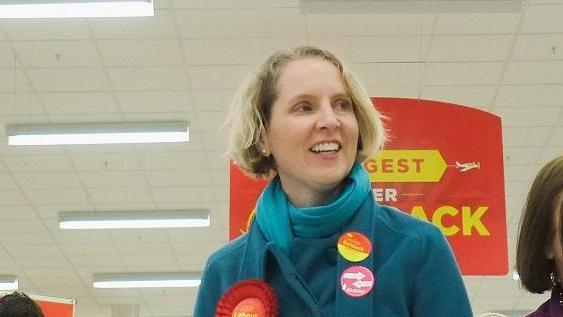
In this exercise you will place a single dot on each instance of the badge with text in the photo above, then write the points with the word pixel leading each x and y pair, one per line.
pixel 357 281
pixel 248 298
pixel 354 246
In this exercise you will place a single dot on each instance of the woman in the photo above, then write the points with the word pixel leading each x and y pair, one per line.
pixel 539 255
pixel 320 241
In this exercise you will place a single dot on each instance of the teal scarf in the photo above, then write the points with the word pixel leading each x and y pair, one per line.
pixel 280 220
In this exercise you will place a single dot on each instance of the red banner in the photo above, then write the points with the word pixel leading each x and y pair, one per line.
pixel 442 163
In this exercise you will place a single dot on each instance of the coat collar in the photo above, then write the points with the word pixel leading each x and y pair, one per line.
pixel 258 249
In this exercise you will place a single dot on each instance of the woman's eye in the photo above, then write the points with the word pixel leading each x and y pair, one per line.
pixel 304 107
pixel 343 104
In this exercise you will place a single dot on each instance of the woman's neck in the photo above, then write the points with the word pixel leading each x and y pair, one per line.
pixel 310 197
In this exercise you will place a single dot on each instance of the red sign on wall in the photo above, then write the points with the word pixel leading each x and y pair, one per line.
pixel 442 163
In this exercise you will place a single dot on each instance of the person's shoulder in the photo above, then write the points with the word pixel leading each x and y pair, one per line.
pixel 405 224
pixel 229 252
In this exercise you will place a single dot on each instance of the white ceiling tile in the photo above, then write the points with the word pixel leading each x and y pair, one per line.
pixel 528 117
pixel 174 161
pixel 525 136
pixel 284 22
pixel 24 239
pixel 141 53
pixel 163 117
pixel 520 155
pixel 388 49
pixel 105 162
pixel 79 103
pixel 153 78
pixel 543 19
pixel 550 153
pixel 217 77
pixel 193 145
pixel 514 173
pixel 220 23
pixel 215 4
pixel 12 198
pixel 155 249
pixel 556 139
pixel 393 91
pixel 91 250
pixel 7 56
pixel 113 179
pixel 274 44
pixel 179 178
pixel 22 226
pixel 160 26
pixel 34 163
pixel 31 250
pixel 530 96
pixel 319 25
pixel 13 81
pixel 463 73
pixel 534 73
pixel 473 96
pixel 98 148
pixel 155 101
pixel 56 197
pixel 470 48
pixel 213 51
pixel 14 212
pixel 142 236
pixel 214 141
pixel 211 121
pixel 183 194
pixel 57 53
pixel 46 29
pixel 71 79
pixel 538 47
pixel 281 3
pixel 41 272
pixel 483 23
pixel 97 261
pixel 370 74
pixel 121 195
pixel 51 180
pixel 82 238
pixel 7 182
pixel 213 100
pixel 157 261
pixel 45 261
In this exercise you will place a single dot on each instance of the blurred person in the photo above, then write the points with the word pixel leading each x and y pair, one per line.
pixel 539 254
pixel 320 244
pixel 18 304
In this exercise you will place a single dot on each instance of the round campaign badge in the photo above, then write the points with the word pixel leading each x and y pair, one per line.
pixel 357 281
pixel 354 246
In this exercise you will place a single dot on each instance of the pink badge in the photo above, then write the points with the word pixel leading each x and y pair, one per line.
pixel 357 281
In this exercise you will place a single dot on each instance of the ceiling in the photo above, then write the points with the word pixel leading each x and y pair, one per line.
pixel 184 64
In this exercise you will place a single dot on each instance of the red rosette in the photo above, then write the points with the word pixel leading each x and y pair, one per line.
pixel 248 298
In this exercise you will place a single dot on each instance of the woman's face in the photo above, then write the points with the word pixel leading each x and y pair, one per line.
pixel 556 252
pixel 313 132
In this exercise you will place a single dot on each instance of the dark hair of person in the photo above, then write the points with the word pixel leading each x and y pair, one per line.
pixel 18 304
pixel 537 229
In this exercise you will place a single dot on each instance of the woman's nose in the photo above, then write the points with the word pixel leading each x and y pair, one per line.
pixel 327 119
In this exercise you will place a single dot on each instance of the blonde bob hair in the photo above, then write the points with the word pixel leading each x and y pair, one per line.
pixel 251 108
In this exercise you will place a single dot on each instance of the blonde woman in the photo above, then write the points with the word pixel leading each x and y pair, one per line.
pixel 320 244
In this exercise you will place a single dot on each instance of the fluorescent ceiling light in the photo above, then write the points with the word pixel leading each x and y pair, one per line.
pixel 8 283
pixel 134 219
pixel 98 133
pixel 75 8
pixel 142 280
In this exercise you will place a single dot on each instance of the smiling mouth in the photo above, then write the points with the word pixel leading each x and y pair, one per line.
pixel 326 147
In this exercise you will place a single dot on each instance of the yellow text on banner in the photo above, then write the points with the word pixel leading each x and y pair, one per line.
pixel 408 166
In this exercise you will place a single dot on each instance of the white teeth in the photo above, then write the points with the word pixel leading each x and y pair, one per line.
pixel 326 147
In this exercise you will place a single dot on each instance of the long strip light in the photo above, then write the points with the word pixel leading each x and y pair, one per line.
pixel 98 133
pixel 144 280
pixel 75 8
pixel 134 219
pixel 8 283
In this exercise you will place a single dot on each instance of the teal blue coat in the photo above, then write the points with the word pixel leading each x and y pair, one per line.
pixel 415 272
